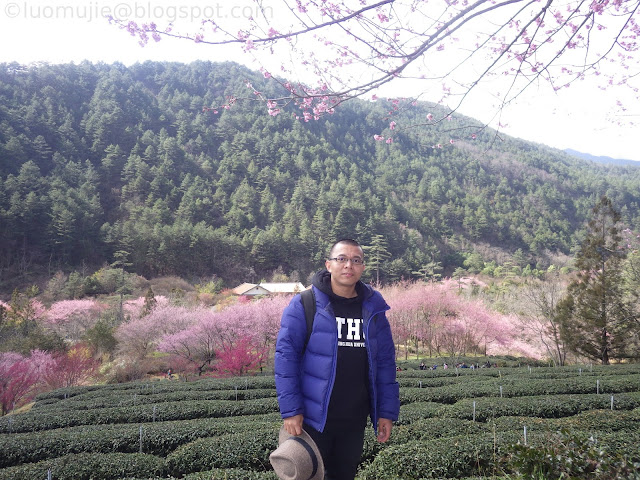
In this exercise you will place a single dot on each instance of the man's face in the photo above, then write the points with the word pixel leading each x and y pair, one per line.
pixel 345 275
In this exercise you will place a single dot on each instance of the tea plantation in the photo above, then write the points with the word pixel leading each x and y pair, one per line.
pixel 458 424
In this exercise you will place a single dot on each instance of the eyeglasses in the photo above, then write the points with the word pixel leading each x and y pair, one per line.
pixel 343 260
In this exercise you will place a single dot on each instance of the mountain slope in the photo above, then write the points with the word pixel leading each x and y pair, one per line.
pixel 99 162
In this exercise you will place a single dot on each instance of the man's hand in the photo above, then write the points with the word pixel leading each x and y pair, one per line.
pixel 293 425
pixel 384 429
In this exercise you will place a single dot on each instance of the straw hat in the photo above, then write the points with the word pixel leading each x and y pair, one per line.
pixel 297 458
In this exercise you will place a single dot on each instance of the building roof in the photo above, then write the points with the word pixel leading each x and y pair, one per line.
pixel 291 287
pixel 268 288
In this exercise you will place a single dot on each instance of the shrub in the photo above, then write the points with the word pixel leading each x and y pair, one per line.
pixel 571 456
pixel 247 450
pixel 451 457
pixel 89 466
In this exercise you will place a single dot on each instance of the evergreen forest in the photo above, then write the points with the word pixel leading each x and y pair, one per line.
pixel 178 169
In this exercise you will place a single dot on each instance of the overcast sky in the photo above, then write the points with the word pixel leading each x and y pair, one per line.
pixel 580 118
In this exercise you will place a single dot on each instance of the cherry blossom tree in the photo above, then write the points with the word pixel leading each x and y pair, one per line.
pixel 228 333
pixel 19 377
pixel 136 308
pixel 139 337
pixel 71 368
pixel 452 49
pixel 72 318
pixel 411 316
pixel 451 324
pixel 240 358
pixel 197 344
pixel 540 298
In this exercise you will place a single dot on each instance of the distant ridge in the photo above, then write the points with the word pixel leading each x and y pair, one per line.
pixel 603 160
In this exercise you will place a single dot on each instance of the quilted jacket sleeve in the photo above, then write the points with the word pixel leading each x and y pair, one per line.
pixel 288 358
pixel 387 386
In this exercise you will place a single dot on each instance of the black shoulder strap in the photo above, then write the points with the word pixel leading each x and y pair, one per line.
pixel 309 305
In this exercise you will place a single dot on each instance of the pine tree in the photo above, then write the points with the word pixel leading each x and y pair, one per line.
pixel 150 303
pixel 594 315
pixel 377 254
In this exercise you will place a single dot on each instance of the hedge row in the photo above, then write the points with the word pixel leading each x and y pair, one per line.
pixel 434 453
pixel 472 454
pixel 38 421
pixel 450 457
pixel 521 372
pixel 158 386
pixel 89 466
pixel 518 388
pixel 483 409
pixel 120 399
pixel 160 438
pixel 235 450
pixel 606 421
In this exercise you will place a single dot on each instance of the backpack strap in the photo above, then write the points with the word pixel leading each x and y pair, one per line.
pixel 309 305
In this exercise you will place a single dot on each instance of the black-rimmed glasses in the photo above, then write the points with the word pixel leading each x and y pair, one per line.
pixel 343 260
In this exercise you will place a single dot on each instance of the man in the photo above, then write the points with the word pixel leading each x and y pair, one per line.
pixel 347 370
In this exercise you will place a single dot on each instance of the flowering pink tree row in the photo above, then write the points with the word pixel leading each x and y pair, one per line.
pixel 234 340
pixel 435 317
pixel 22 377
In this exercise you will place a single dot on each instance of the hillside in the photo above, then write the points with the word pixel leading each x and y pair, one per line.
pixel 106 163
pixel 605 160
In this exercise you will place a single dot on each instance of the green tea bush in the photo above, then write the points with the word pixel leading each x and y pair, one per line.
pixel 177 410
pixel 444 457
pixel 89 466
pixel 198 430
pixel 545 406
pixel 231 474
pixel 221 474
pixel 156 387
pixel 516 387
pixel 589 421
pixel 121 399
pixel 158 438
pixel 246 450
pixel 417 410
pixel 571 456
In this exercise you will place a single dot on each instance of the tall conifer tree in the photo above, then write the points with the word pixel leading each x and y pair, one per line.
pixel 594 314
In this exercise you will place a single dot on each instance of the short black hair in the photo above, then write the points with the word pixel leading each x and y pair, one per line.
pixel 347 241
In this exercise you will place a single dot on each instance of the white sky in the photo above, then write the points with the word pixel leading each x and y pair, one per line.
pixel 580 117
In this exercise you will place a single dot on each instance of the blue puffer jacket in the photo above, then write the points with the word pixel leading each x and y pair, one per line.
pixel 304 382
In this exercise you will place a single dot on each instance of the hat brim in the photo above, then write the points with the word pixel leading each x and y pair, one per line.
pixel 306 439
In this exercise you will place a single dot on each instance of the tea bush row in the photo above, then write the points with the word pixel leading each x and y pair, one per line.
pixel 158 438
pixel 120 399
pixel 437 456
pixel 246 450
pixel 545 406
pixel 37 421
pixel 89 466
pixel 474 454
pixel 511 387
pixel 158 386
pixel 534 372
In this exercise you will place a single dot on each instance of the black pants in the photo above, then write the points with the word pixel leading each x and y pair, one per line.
pixel 341 451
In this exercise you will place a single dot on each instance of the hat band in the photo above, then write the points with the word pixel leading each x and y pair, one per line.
pixel 312 454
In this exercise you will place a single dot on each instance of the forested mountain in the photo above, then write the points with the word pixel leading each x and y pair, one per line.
pixel 103 163
pixel 600 159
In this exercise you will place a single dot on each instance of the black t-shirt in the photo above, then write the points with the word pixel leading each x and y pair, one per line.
pixel 349 403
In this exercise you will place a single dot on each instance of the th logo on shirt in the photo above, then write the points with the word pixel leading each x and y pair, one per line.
pixel 350 332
